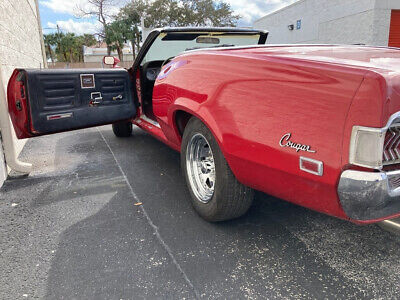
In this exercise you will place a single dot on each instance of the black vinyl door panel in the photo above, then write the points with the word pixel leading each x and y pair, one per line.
pixel 62 100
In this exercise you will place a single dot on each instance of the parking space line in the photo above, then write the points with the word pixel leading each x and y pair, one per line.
pixel 151 223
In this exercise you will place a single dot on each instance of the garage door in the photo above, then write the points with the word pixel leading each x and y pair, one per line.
pixel 394 35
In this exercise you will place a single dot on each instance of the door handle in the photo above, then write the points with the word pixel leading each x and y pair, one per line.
pixel 119 97
pixel 95 99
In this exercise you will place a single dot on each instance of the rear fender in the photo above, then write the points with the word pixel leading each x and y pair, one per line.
pixel 197 110
pixel 367 109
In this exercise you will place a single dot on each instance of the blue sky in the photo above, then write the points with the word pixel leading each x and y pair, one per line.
pixel 66 13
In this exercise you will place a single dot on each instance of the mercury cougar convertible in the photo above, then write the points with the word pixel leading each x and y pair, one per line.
pixel 316 125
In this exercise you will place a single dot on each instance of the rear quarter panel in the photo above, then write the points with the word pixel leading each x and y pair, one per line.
pixel 377 99
pixel 250 103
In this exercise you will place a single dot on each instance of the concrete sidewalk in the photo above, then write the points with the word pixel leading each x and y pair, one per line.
pixel 71 230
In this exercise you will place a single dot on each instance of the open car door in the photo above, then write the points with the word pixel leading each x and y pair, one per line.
pixel 54 100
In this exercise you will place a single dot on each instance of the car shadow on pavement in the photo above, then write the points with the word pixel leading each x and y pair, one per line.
pixel 77 233
pixel 277 250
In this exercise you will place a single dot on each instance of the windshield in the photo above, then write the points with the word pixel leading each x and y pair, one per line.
pixel 168 45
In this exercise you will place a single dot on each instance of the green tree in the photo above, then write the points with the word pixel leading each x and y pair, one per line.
pixel 81 41
pixel 116 36
pixel 102 10
pixel 160 13
pixel 88 40
pixel 50 42
pixel 99 9
pixel 67 47
pixel 130 16
pixel 134 9
pixel 132 34
pixel 208 13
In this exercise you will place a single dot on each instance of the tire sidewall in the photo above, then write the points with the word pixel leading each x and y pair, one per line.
pixel 122 129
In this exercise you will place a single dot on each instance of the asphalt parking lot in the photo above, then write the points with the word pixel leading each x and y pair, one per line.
pixel 71 230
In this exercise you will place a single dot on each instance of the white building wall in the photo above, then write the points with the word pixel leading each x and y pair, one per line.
pixel 94 54
pixel 20 46
pixel 331 21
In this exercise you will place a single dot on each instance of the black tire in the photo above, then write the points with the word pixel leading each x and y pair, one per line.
pixel 230 199
pixel 122 129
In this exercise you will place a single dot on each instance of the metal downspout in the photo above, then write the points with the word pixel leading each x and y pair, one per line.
pixel 8 141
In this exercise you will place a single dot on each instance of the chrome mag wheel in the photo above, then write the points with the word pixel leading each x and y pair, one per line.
pixel 200 168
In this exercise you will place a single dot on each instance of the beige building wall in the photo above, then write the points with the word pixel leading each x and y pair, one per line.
pixel 20 46
pixel 99 58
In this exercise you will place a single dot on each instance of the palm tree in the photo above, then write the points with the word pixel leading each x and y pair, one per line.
pixel 50 40
pixel 87 40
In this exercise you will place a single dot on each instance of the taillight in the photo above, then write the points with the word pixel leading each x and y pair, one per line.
pixel 376 147
pixel 366 148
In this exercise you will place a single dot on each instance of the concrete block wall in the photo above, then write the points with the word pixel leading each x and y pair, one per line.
pixel 331 21
pixel 20 45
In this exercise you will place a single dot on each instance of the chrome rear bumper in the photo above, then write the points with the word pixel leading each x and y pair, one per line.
pixel 368 196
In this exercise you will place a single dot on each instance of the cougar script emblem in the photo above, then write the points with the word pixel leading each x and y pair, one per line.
pixel 286 142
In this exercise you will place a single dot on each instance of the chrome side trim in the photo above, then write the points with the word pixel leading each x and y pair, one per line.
pixel 148 120
pixel 59 116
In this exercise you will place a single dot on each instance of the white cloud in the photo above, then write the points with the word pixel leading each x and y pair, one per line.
pixel 68 7
pixel 252 10
pixel 248 10
pixel 78 28
pixel 74 7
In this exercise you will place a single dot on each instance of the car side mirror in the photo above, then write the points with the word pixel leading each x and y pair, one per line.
pixel 111 61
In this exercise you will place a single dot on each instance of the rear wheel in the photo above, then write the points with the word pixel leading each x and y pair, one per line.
pixel 215 192
pixel 122 129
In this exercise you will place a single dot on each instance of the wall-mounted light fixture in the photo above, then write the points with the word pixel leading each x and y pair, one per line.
pixel 298 24
pixel 291 27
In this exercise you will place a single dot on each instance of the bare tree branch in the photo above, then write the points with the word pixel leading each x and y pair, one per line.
pixel 99 9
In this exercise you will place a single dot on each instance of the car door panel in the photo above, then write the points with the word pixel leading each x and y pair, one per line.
pixel 48 101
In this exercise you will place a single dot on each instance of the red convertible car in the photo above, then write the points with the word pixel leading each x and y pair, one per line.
pixel 316 125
